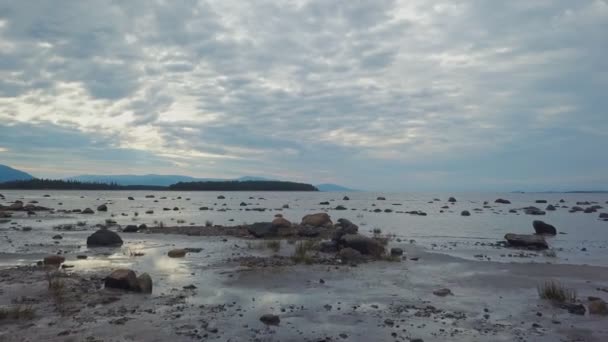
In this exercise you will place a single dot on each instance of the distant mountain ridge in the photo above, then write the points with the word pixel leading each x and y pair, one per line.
pixel 8 174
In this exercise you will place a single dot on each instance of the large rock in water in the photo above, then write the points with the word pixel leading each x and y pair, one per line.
pixel 502 201
pixel 541 227
pixel 527 240
pixel 363 244
pixel 123 279
pixel 104 237
pixel 144 281
pixel 317 220
pixel 177 253
pixel 344 227
pixel 281 222
pixel 102 207
pixel 262 229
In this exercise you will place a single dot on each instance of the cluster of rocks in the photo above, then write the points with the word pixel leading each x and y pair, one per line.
pixel 126 279
pixel 532 241
pixel 19 206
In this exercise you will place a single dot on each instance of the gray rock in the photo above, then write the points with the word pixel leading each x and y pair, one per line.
pixel 144 282
pixel 88 211
pixel 102 207
pixel 443 292
pixel 465 213
pixel 526 240
pixel 502 201
pixel 363 244
pixel 317 220
pixel 350 256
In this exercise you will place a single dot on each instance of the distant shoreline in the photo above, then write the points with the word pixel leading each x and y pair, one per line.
pixel 45 184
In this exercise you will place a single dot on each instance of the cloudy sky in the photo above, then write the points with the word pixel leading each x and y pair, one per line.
pixel 373 94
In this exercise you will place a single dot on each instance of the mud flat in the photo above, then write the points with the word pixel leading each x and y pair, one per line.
pixel 372 301
pixel 318 279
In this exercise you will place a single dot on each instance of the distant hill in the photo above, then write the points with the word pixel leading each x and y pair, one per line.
pixel 153 180
pixel 8 174
pixel 333 188
pixel 248 185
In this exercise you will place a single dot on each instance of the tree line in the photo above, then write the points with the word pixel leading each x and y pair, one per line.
pixel 57 184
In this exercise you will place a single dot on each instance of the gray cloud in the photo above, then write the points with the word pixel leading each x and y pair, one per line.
pixel 337 88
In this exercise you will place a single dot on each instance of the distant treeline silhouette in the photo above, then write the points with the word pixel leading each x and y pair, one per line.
pixel 243 186
pixel 55 184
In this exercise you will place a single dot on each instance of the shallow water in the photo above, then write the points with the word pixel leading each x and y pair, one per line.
pixel 448 232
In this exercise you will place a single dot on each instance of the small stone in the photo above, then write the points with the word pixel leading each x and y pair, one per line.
pixel 270 319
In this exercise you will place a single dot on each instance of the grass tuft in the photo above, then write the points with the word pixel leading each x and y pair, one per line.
pixel 301 255
pixel 555 291
pixel 19 312
pixel 274 245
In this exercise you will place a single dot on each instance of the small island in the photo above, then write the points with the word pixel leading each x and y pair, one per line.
pixel 54 184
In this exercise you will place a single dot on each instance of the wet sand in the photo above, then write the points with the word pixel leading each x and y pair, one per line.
pixel 374 301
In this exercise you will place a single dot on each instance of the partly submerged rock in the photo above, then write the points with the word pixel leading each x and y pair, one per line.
pixel 465 213
pixel 88 211
pixel 396 251
pixel 262 229
pixel 144 282
pixel 541 227
pixel 443 292
pixel 350 256
pixel 102 207
pixel 54 260
pixel 270 319
pixel 130 229
pixel 123 279
pixel 344 227
pixel 502 201
pixel 177 253
pixel 363 244
pixel 317 220
pixel 526 240
pixel 597 306
pixel 280 223
pixel 104 237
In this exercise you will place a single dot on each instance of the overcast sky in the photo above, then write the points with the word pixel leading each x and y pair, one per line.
pixel 375 94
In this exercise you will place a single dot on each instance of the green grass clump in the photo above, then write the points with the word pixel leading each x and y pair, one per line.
pixel 555 291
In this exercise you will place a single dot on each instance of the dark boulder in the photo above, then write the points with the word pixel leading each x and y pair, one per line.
pixel 395 251
pixel 465 213
pixel 270 319
pixel 452 200
pixel 104 237
pixel 541 201
pixel 344 227
pixel 363 244
pixel 576 209
pixel 526 240
pixel 541 227
pixel 324 203
pixel 589 210
pixel 340 207
pixel 381 198
pixel 345 198
pixel 102 207
pixel 550 207
pixel 502 201
pixel 130 229
pixel 604 215
pixel 533 211
pixel 88 211
pixel 123 279
pixel 262 229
